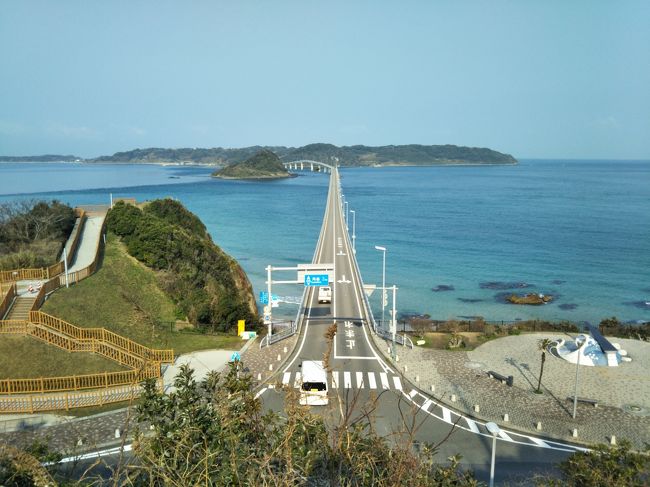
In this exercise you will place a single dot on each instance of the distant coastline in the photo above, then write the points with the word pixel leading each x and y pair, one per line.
pixel 344 156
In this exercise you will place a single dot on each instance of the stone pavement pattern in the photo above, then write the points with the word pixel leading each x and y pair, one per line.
pixel 462 375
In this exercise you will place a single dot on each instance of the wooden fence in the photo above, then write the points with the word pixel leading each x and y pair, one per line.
pixel 68 400
pixel 101 380
pixel 100 336
pixel 69 392
pixel 7 299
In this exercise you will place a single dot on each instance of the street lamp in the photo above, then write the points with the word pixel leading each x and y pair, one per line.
pixel 354 230
pixel 494 430
pixel 346 214
pixel 383 282
pixel 575 390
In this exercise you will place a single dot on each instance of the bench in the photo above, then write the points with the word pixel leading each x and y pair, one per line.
pixel 593 402
pixel 501 378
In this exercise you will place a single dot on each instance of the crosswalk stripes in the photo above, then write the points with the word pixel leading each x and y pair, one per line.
pixel 384 380
pixel 351 380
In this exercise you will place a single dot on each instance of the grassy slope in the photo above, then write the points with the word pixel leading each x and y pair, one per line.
pixel 123 296
pixel 46 360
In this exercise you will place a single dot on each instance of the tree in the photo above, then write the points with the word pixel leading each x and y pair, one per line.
pixel 607 466
pixel 542 345
pixel 214 432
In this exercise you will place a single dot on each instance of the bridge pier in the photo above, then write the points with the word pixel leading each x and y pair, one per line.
pixel 301 166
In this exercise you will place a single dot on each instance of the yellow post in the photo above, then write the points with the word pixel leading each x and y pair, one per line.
pixel 241 326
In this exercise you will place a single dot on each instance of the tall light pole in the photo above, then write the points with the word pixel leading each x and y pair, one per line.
pixel 494 430
pixel 346 215
pixel 383 282
pixel 394 320
pixel 354 230
pixel 575 390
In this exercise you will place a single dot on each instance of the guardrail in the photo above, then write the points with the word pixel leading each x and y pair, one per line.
pixel 400 339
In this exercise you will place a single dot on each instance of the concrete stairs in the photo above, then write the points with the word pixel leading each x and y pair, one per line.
pixel 20 308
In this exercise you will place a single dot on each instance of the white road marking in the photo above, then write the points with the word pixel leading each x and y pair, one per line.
pixel 360 380
pixel 296 382
pixel 372 383
pixel 504 435
pixel 335 379
pixel 398 383
pixel 413 393
pixel 426 405
pixel 472 425
pixel 384 380
pixel 347 380
pixel 285 378
pixel 446 415
pixel 539 442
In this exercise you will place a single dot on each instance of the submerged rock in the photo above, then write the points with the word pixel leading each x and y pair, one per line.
pixel 469 300
pixel 530 298
pixel 442 287
pixel 638 304
pixel 557 281
pixel 502 286
pixel 568 306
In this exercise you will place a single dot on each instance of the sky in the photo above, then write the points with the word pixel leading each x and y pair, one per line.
pixel 535 79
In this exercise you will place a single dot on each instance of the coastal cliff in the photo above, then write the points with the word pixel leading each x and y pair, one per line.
pixel 206 284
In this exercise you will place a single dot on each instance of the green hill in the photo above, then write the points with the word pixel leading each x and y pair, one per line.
pixel 263 165
pixel 355 155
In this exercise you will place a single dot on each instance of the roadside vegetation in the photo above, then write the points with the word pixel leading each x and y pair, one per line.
pixel 214 432
pixel 125 297
pixel 32 233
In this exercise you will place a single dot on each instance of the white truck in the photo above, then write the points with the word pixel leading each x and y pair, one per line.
pixel 324 294
pixel 313 387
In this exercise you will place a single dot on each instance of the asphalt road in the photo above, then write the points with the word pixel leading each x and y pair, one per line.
pixel 361 382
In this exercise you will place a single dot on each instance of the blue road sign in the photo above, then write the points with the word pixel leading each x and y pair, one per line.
pixel 316 279
pixel 264 297
pixel 235 357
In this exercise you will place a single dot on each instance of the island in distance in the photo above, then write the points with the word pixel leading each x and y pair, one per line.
pixel 352 155
pixel 263 165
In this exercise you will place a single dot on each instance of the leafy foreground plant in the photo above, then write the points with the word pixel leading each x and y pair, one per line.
pixel 214 432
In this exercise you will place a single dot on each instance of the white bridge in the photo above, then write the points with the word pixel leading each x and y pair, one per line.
pixel 304 164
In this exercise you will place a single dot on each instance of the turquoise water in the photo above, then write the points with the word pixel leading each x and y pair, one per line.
pixel 578 230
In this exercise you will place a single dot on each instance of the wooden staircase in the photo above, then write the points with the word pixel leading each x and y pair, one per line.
pixel 21 308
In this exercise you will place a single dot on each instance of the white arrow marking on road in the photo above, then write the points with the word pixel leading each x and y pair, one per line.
pixel 341 254
pixel 344 280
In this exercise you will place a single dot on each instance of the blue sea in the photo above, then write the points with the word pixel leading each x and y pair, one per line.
pixel 459 238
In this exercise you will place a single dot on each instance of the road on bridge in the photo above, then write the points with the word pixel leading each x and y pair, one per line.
pixel 359 377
